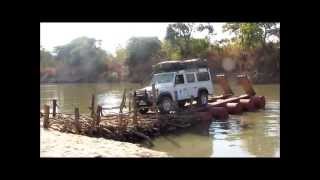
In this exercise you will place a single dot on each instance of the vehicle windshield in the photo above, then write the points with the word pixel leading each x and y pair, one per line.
pixel 162 78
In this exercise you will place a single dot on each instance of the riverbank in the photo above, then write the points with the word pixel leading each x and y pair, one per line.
pixel 57 144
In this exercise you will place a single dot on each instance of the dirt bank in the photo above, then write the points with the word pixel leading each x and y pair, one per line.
pixel 57 144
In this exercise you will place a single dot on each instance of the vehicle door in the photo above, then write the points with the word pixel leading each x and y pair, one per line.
pixel 180 88
pixel 192 88
pixel 204 80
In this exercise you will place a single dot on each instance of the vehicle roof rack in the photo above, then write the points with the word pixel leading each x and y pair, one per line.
pixel 167 66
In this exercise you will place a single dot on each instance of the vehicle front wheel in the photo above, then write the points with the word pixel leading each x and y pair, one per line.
pixel 203 98
pixel 165 104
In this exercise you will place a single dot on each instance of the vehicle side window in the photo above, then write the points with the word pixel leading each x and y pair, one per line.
pixel 179 79
pixel 190 78
pixel 203 76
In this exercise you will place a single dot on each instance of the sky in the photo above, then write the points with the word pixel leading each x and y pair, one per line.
pixel 112 35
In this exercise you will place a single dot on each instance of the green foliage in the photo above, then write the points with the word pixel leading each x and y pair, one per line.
pixel 199 47
pixel 80 51
pixel 121 55
pixel 248 35
pixel 83 55
pixel 170 52
pixel 46 59
pixel 269 29
pixel 141 50
pixel 251 35
pixel 179 36
pixel 232 27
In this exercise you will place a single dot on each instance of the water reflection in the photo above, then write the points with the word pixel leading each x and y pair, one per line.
pixel 72 95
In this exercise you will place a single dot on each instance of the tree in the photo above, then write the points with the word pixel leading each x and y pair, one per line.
pixel 141 51
pixel 251 35
pixel 250 32
pixel 268 30
pixel 199 47
pixel 46 59
pixel 121 54
pixel 179 35
pixel 248 35
pixel 232 27
pixel 85 60
pixel 168 51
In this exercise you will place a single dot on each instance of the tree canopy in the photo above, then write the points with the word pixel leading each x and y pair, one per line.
pixel 141 51
pixel 82 60
pixel 179 35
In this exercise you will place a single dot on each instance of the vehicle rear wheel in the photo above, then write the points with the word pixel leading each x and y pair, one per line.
pixel 165 104
pixel 203 98
pixel 144 110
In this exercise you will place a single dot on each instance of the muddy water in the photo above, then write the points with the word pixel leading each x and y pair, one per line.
pixel 254 134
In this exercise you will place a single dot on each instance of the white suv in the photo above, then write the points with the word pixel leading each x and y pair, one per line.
pixel 177 85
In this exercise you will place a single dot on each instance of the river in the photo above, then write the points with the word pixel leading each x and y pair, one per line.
pixel 223 139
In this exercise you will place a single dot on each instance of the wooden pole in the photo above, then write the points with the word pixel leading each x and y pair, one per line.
pixel 224 85
pixel 123 102
pixel 134 109
pixel 54 102
pixel 130 101
pixel 46 116
pixel 99 109
pixel 76 119
pixel 154 103
pixel 92 105
pixel 246 85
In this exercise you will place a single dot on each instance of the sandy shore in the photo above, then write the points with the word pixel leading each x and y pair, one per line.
pixel 57 144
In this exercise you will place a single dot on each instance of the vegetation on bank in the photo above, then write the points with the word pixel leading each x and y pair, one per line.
pixel 83 60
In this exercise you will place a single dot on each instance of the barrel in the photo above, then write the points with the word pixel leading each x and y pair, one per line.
pixel 262 101
pixel 259 101
pixel 205 116
pixel 220 113
pixel 201 109
pixel 234 108
pixel 247 104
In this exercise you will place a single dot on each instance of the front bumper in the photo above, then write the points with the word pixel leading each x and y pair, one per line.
pixel 143 98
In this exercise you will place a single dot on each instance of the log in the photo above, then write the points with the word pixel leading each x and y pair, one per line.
pixel 179 125
pixel 145 137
